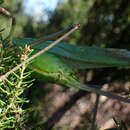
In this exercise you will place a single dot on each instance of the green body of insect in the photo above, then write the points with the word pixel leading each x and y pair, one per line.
pixel 58 64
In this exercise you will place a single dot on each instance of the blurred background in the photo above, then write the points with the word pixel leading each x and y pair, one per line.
pixel 103 24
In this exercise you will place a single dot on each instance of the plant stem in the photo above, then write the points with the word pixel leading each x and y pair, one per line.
pixel 16 93
pixel 95 111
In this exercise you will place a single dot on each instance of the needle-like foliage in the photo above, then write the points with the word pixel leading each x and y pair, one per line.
pixel 12 114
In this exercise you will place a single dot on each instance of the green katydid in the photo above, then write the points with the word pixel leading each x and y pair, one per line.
pixel 56 64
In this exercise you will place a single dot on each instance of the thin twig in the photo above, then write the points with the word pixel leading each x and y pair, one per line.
pixel 3 77
pixel 95 111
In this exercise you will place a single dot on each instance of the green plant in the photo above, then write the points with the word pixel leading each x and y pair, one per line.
pixel 12 89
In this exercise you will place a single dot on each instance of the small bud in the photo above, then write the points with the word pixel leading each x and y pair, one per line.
pixel 27 49
pixel 23 56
